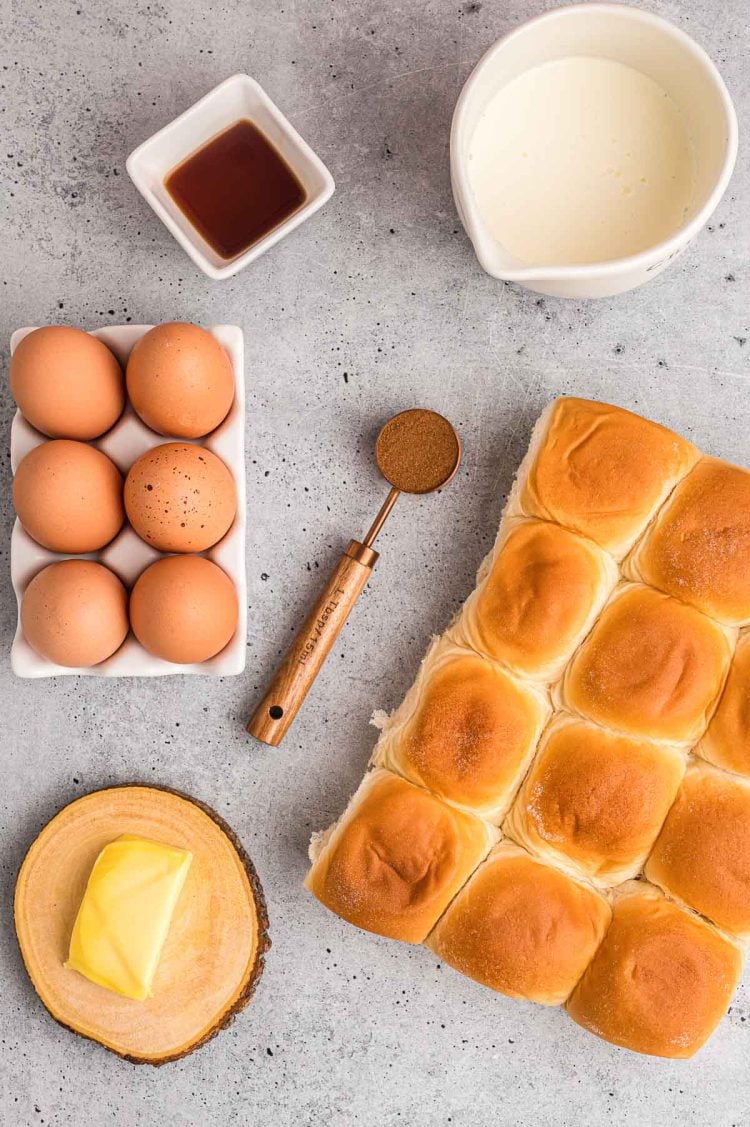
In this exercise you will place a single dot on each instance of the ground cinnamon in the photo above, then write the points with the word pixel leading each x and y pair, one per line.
pixel 418 451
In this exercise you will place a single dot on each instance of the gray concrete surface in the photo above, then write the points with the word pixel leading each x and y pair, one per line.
pixel 376 304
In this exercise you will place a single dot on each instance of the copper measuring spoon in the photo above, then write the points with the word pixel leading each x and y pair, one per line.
pixel 417 451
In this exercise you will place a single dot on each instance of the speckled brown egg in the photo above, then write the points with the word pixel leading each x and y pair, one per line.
pixel 184 609
pixel 180 498
pixel 180 380
pixel 68 496
pixel 67 383
pixel 75 613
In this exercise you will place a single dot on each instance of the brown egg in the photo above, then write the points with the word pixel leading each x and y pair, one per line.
pixel 67 383
pixel 75 613
pixel 180 380
pixel 180 498
pixel 183 609
pixel 68 496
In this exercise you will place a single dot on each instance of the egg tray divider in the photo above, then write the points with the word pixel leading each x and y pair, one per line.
pixel 127 555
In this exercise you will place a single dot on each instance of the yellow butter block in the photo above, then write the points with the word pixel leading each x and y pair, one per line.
pixel 125 914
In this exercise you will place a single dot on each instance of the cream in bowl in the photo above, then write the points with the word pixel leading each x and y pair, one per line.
pixel 588 147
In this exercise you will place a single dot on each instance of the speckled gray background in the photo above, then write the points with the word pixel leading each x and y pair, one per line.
pixel 374 305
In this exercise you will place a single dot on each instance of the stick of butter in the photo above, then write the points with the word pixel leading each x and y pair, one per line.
pixel 125 914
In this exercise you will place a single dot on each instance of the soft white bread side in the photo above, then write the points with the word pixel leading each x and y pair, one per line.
pixel 514 506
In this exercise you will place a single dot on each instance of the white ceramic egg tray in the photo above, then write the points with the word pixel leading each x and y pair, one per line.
pixel 127 555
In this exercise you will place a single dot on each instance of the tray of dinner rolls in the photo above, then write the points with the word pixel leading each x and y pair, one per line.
pixel 128 551
pixel 560 807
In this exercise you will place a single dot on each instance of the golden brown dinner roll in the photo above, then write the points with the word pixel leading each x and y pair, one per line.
pixel 702 855
pixel 396 858
pixel 543 590
pixel 699 546
pixel 652 666
pixel 727 739
pixel 467 731
pixel 522 928
pixel 595 800
pixel 661 980
pixel 600 470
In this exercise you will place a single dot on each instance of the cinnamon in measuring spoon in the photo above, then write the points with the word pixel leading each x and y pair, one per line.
pixel 418 451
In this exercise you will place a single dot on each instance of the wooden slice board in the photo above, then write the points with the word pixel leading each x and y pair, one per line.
pixel 215 948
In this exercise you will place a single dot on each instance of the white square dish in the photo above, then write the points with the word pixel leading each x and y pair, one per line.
pixel 239 97
pixel 127 555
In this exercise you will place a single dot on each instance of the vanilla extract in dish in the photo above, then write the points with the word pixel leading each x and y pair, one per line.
pixel 235 189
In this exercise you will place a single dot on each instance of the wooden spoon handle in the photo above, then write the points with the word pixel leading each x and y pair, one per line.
pixel 311 646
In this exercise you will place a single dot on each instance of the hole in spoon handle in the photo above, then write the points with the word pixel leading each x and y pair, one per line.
pixel 312 644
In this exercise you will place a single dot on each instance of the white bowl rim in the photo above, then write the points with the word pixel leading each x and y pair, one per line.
pixel 653 254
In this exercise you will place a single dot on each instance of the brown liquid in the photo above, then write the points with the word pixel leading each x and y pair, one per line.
pixel 235 189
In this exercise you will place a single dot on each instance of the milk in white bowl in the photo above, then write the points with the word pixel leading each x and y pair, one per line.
pixel 581 160
pixel 588 147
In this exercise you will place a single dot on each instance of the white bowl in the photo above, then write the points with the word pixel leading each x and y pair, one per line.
pixel 127 555
pixel 640 40
pixel 239 97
